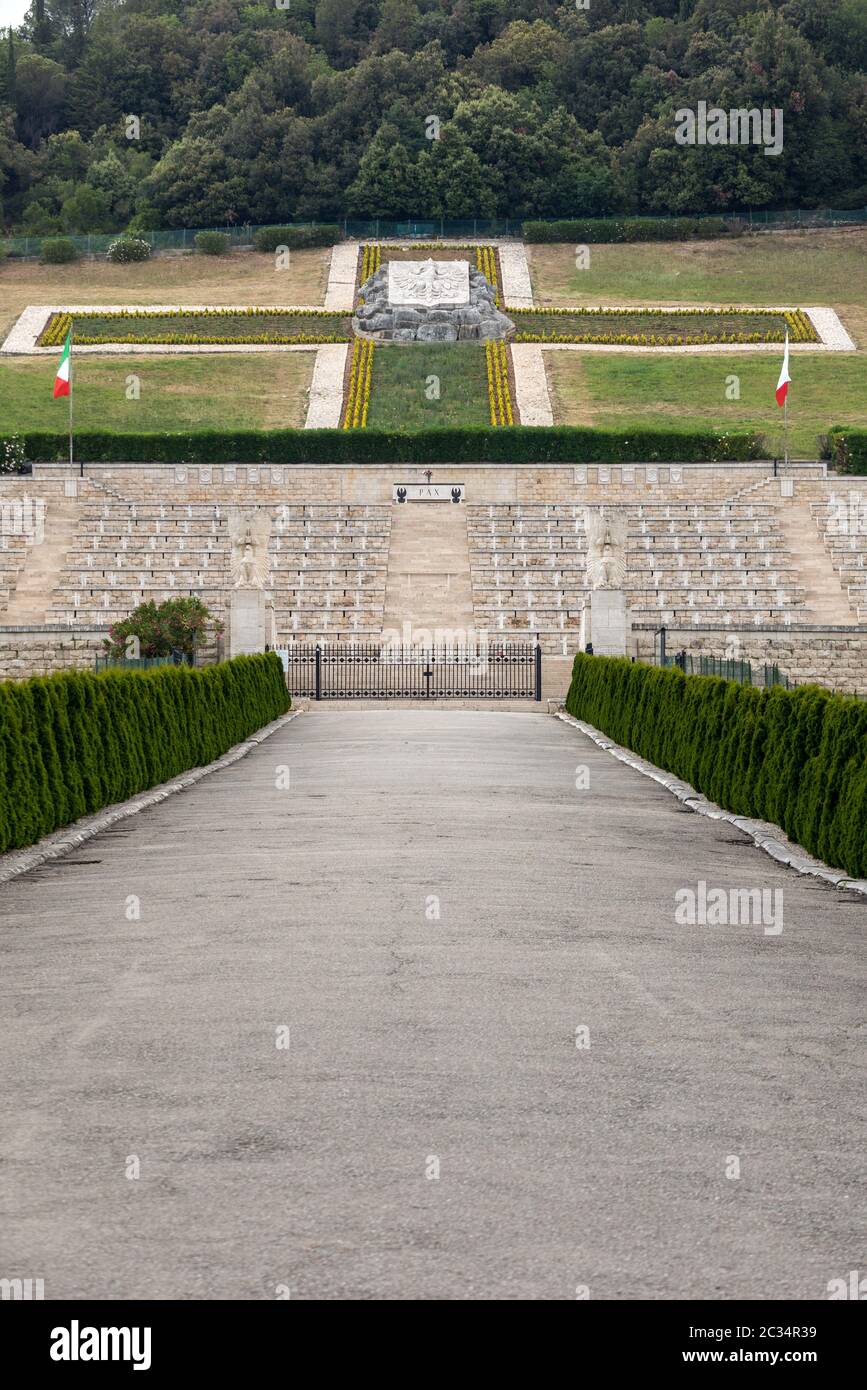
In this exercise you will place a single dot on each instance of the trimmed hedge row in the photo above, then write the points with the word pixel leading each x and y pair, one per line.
pixel 849 449
pixel 590 229
pixel 296 238
pixel 76 741
pixel 521 444
pixel 794 757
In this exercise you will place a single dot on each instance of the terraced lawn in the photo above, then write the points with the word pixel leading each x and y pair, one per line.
pixel 244 277
pixel 691 392
pixel 243 391
pixel 421 385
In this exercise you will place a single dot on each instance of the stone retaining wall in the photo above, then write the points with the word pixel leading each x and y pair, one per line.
pixel 833 657
pixel 41 653
pixel 483 482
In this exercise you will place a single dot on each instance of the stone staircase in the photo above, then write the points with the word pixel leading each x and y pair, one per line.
pixel 428 585
pixel 45 563
pixel 824 596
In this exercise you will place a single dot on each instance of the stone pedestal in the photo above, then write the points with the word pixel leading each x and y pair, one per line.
pixel 604 622
pixel 251 622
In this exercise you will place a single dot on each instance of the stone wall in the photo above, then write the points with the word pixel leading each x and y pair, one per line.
pixel 373 483
pixel 41 652
pixel 833 657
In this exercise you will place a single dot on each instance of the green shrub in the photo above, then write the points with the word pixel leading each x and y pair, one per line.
pixel 795 757
pixel 566 444
pixel 127 249
pixel 74 742
pixel 849 449
pixel 296 238
pixel 176 624
pixel 590 229
pixel 212 243
pixel 59 250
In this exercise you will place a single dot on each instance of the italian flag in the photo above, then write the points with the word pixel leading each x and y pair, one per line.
pixel 783 383
pixel 61 381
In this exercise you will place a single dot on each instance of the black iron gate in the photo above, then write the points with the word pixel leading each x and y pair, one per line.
pixel 361 671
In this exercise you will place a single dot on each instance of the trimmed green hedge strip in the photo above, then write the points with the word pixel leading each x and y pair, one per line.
pixel 483 444
pixel 849 449
pixel 76 741
pixel 594 229
pixel 794 757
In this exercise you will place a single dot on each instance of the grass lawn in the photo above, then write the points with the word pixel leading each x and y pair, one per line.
pixel 786 268
pixel 406 375
pixel 690 393
pixel 247 391
pixel 243 277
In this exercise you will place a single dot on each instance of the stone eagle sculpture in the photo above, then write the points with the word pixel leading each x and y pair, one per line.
pixel 606 546
pixel 249 534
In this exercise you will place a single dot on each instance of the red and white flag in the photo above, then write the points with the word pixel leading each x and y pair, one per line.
pixel 61 380
pixel 783 383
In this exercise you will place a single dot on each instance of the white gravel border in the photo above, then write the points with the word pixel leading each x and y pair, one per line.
pixel 72 837
pixel 515 276
pixel 22 337
pixel 325 402
pixel 531 384
pixel 767 837
pixel 340 293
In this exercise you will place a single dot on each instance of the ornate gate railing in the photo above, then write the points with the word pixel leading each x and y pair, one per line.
pixel 363 671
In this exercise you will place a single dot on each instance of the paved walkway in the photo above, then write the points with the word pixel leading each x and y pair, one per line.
pixel 415 1040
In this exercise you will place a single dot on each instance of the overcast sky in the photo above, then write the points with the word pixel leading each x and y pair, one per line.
pixel 12 11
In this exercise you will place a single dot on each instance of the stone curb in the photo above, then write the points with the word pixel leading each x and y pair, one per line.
pixel 71 837
pixel 780 849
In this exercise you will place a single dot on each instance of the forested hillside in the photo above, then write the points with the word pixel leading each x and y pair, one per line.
pixel 314 108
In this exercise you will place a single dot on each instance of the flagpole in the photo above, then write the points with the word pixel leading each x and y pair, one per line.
pixel 786 430
pixel 71 464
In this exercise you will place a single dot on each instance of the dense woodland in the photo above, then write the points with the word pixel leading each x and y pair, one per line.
pixel 316 108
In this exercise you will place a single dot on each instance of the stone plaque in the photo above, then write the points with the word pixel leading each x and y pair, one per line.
pixel 429 283
pixel 427 492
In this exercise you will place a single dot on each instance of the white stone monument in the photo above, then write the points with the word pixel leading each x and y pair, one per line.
pixel 431 284
pixel 605 617
pixel 252 621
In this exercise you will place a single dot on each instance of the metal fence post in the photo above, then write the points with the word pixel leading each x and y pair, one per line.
pixel 538 694
pixel 318 671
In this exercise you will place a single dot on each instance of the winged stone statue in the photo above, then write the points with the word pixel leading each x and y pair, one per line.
pixel 606 547
pixel 249 534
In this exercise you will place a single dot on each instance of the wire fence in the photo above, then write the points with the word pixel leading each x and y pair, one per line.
pixel 431 229
pixel 730 669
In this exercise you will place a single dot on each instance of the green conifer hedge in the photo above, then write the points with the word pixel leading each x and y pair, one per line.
pixel 795 757
pixel 75 742
pixel 567 444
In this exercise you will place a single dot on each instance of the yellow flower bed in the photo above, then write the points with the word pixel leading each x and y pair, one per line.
pixel 486 262
pixel 358 394
pixel 371 260
pixel 55 331
pixel 499 395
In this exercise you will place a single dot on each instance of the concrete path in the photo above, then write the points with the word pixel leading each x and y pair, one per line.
pixel 431 909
